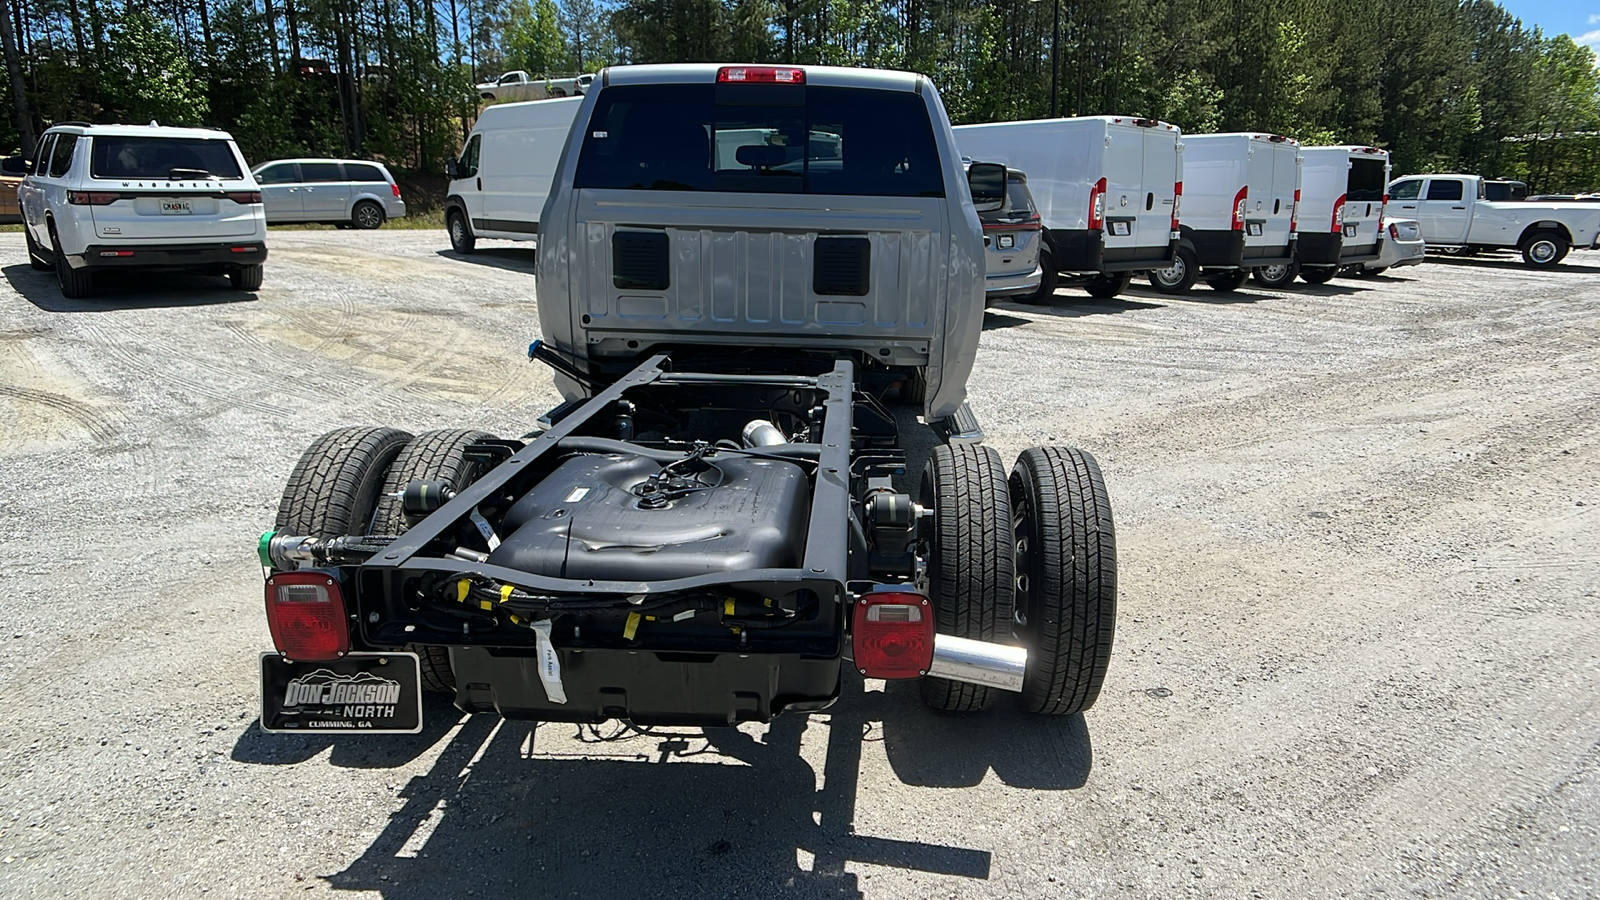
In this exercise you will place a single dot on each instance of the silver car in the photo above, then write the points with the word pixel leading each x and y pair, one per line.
pixel 344 192
pixel 1011 237
pixel 1402 245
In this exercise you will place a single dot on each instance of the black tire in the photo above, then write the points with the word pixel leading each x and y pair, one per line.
pixel 1371 273
pixel 1276 277
pixel 1179 277
pixel 75 283
pixel 557 92
pixel 1543 249
pixel 1108 284
pixel 246 278
pixel 1066 594
pixel 431 456
pixel 1318 274
pixel 1049 280
pixel 334 488
pixel 367 215
pixel 1228 282
pixel 970 563
pixel 36 256
pixel 461 239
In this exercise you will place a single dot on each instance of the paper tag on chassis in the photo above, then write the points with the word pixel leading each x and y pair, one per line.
pixel 373 693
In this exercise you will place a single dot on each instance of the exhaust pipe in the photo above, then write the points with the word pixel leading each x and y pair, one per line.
pixel 978 662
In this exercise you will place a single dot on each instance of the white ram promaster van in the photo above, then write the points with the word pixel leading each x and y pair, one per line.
pixel 1340 214
pixel 500 181
pixel 1238 212
pixel 1106 188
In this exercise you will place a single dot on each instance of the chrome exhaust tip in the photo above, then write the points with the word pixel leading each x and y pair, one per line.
pixel 978 662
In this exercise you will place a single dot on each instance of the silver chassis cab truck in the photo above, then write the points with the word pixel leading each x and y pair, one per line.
pixel 741 267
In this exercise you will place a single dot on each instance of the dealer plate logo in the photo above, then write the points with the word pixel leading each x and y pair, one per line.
pixel 361 695
pixel 366 692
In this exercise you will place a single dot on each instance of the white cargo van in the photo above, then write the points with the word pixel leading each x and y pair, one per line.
pixel 1238 212
pixel 499 183
pixel 1106 188
pixel 1340 213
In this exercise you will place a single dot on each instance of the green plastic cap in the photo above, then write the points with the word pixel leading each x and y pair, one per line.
pixel 264 547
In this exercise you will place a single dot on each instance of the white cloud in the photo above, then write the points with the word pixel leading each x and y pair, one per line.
pixel 1594 19
pixel 1589 38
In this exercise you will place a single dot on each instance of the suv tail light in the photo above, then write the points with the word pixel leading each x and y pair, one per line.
pixel 1097 205
pixel 305 611
pixel 891 634
pixel 761 75
pixel 93 198
pixel 1338 214
pixel 1177 202
pixel 1394 231
pixel 396 189
pixel 245 198
pixel 1239 201
pixel 1294 213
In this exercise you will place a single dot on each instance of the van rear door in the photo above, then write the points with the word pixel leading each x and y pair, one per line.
pixel 1125 195
pixel 1159 178
pixel 1278 204
pixel 1363 206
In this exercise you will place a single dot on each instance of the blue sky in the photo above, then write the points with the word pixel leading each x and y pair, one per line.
pixel 1575 17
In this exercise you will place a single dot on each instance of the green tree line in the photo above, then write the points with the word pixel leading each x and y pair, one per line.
pixel 1446 85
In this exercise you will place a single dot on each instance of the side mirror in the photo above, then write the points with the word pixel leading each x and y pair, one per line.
pixel 14 165
pixel 452 168
pixel 987 182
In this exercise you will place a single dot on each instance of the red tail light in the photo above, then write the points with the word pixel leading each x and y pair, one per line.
pixel 891 634
pixel 1239 201
pixel 245 198
pixel 396 189
pixel 1294 213
pixel 761 75
pixel 1177 201
pixel 305 611
pixel 116 253
pixel 1097 205
pixel 1338 214
pixel 92 198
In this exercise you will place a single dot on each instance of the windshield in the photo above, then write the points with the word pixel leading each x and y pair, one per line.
pixel 162 157
pixel 758 138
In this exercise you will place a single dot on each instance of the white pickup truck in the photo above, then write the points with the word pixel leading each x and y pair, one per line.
pixel 519 85
pixel 1455 215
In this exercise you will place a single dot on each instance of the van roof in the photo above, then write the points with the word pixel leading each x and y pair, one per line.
pixel 1125 121
pixel 706 73
pixel 1352 148
pixel 212 134
pixel 1247 135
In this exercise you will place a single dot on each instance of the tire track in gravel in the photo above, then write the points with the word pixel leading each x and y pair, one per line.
pixel 103 428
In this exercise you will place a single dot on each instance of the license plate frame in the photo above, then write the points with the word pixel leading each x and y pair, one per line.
pixel 361 693
pixel 1255 229
pixel 1351 230
pixel 174 206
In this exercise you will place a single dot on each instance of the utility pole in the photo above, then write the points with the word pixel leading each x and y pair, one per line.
pixel 1055 70
pixel 14 70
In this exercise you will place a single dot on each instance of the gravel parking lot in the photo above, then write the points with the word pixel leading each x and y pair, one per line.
pixel 1359 644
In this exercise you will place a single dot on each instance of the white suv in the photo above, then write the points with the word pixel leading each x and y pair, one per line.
pixel 105 197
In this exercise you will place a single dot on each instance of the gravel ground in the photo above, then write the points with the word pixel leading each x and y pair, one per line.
pixel 1359 645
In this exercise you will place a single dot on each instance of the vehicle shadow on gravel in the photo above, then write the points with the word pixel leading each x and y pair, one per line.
pixel 256 747
pixel 679 812
pixel 1490 263
pixel 1072 307
pixel 131 290
pixel 515 259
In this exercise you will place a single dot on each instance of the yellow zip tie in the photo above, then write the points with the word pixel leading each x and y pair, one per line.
pixel 484 604
pixel 505 592
pixel 727 606
pixel 462 587
pixel 768 602
pixel 632 628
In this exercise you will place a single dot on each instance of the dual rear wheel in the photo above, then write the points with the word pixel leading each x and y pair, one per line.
pixel 1030 559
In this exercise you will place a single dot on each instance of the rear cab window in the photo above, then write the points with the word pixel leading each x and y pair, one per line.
pixel 760 138
pixel 162 158
pixel 1444 189
pixel 1367 180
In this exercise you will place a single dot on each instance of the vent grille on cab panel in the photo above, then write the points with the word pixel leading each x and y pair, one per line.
pixel 841 266
pixel 640 261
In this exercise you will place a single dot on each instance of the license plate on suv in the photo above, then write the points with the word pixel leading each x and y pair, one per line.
pixel 177 207
pixel 373 693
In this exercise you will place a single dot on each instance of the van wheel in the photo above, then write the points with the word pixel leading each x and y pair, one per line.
pixel 367 215
pixel 431 456
pixel 1049 280
pixel 1228 282
pixel 1544 249
pixel 75 283
pixel 1277 277
pixel 246 278
pixel 557 92
pixel 1066 597
pixel 461 239
pixel 1108 284
pixel 36 257
pixel 971 571
pixel 1179 277
pixel 1318 274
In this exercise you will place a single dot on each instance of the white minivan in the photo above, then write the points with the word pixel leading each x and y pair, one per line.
pixel 1340 214
pixel 1239 192
pixel 1106 188
pixel 499 183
